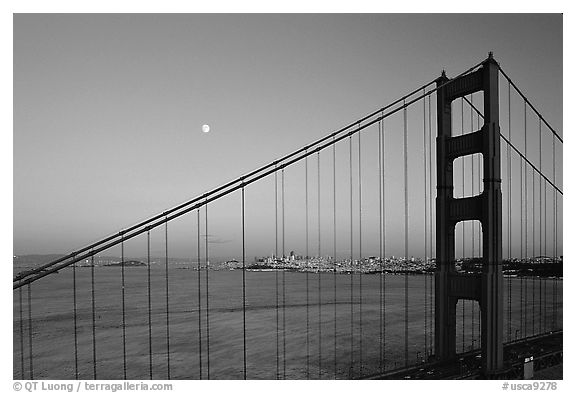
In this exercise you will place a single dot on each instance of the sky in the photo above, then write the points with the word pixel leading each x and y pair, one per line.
pixel 108 111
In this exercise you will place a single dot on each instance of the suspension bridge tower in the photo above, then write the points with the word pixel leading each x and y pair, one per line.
pixel 451 286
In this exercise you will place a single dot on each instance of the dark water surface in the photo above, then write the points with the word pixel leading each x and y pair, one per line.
pixel 312 333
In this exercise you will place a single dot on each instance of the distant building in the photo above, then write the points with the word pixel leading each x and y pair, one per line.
pixel 233 264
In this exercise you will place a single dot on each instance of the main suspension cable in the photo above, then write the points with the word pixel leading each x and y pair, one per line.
pixel 530 104
pixel 509 143
pixel 221 191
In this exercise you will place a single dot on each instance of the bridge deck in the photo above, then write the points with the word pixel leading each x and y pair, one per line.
pixel 546 350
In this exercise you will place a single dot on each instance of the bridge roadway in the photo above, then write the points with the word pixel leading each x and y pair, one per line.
pixel 546 350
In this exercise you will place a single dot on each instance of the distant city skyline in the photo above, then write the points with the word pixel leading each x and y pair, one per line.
pixel 109 109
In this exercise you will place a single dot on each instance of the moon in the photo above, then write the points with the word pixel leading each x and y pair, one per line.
pixel 205 128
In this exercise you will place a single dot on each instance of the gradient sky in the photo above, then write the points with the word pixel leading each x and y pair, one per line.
pixel 108 109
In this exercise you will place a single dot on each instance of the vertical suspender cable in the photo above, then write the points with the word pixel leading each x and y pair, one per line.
pixel 383 259
pixel 93 299
pixel 472 181
pixel 380 309
pixel 167 301
pixel 351 271
pixel 75 321
pixel 553 327
pixel 531 259
pixel 123 308
pixel 283 281
pixel 319 280
pixel 463 237
pixel 525 261
pixel 425 229
pixel 21 322
pixel 307 269
pixel 533 250
pixel 540 223
pixel 509 170
pixel 207 292
pixel 472 174
pixel 276 273
pixel 31 358
pixel 360 257
pixel 199 284
pixel 405 112
pixel 431 297
pixel 522 332
pixel 533 289
pixel 149 303
pixel 479 177
pixel 243 282
pixel 334 252
pixel 546 254
pixel 555 280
